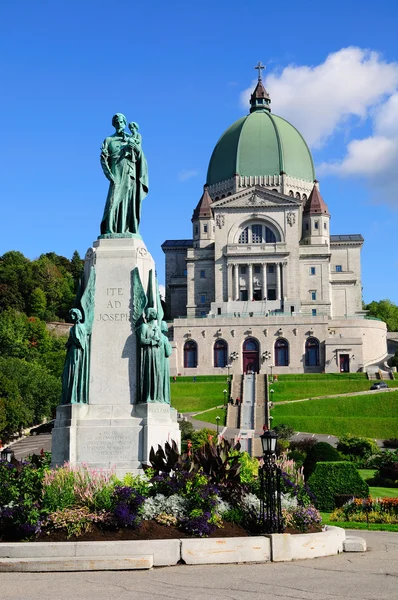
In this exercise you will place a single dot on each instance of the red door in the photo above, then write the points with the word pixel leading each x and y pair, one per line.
pixel 251 360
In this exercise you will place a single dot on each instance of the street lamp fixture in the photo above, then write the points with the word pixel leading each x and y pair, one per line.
pixel 218 424
pixel 225 392
pixel 270 486
pixel 7 454
pixel 271 367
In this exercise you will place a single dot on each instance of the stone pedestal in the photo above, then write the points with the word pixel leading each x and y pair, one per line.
pixel 112 430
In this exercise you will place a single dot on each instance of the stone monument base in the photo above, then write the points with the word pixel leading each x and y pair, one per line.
pixel 111 437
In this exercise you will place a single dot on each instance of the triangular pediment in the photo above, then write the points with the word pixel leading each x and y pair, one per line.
pixel 256 197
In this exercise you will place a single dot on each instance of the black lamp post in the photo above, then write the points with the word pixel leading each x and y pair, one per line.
pixel 218 424
pixel 7 454
pixel 225 392
pixel 270 481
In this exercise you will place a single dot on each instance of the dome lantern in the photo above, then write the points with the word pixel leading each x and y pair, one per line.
pixel 260 100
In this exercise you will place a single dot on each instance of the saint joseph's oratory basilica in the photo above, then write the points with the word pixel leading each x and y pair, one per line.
pixel 263 283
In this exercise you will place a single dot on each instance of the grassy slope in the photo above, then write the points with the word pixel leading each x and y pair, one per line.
pixel 210 416
pixel 295 387
pixel 373 416
pixel 187 396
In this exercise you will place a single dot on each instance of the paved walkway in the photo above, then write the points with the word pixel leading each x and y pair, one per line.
pixel 359 576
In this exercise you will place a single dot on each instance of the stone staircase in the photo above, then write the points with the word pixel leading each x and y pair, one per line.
pixel 233 412
pixel 260 412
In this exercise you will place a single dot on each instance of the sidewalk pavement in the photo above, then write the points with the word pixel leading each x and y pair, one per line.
pixel 371 575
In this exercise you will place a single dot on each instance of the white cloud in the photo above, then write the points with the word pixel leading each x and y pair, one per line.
pixel 351 85
pixel 319 99
pixel 374 158
pixel 186 174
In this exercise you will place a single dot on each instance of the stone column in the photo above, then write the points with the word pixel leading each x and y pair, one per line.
pixel 229 283
pixel 250 282
pixel 264 265
pixel 236 282
pixel 278 281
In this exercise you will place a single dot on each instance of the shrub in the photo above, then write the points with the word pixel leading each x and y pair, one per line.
pixel 387 465
pixel 284 431
pixel 321 451
pixel 296 456
pixel 303 445
pixel 354 446
pixel 332 478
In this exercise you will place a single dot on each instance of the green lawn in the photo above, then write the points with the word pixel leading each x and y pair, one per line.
pixel 187 396
pixel 295 387
pixel 210 416
pixel 374 415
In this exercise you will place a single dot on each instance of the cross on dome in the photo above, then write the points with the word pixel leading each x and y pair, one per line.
pixel 259 67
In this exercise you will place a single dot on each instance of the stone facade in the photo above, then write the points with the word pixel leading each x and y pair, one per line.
pixel 260 268
pixel 262 283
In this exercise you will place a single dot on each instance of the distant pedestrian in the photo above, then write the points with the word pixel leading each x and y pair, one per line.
pixel 175 378
pixel 237 401
pixel 265 428
pixel 194 378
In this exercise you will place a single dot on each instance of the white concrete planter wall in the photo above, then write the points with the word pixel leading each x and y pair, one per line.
pixel 91 556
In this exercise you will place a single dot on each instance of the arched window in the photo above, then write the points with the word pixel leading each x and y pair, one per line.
pixel 297 196
pixel 291 193
pixel 269 236
pixel 281 353
pixel 250 345
pixel 258 233
pixel 220 353
pixel 304 196
pixel 190 355
pixel 312 352
pixel 244 236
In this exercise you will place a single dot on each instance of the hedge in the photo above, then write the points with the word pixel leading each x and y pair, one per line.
pixel 320 452
pixel 335 478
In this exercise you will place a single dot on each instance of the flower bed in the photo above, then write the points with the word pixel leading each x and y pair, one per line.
pixel 368 510
pixel 212 492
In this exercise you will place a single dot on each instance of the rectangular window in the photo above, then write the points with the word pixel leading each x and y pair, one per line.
pixel 313 295
pixel 203 298
pixel 313 312
pixel 271 269
pixel 196 229
pixel 257 234
pixel 312 271
pixel 339 268
pixel 243 295
pixel 271 294
pixel 205 228
pixel 203 313
pixel 316 225
pixel 257 269
pixel 203 274
pixel 325 226
pixel 242 270
pixel 218 310
pixel 185 272
pixel 306 226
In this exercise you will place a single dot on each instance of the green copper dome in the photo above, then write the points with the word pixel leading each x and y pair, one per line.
pixel 260 144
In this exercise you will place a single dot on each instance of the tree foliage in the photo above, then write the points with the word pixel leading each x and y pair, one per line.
pixel 44 287
pixel 31 357
pixel 385 310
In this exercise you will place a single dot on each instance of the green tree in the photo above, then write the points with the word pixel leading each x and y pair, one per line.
pixel 385 310
pixel 38 303
pixel 76 266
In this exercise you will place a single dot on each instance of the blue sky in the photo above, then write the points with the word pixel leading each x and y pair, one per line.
pixel 182 71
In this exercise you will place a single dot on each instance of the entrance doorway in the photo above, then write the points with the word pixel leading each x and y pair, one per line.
pixel 251 356
pixel 344 363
